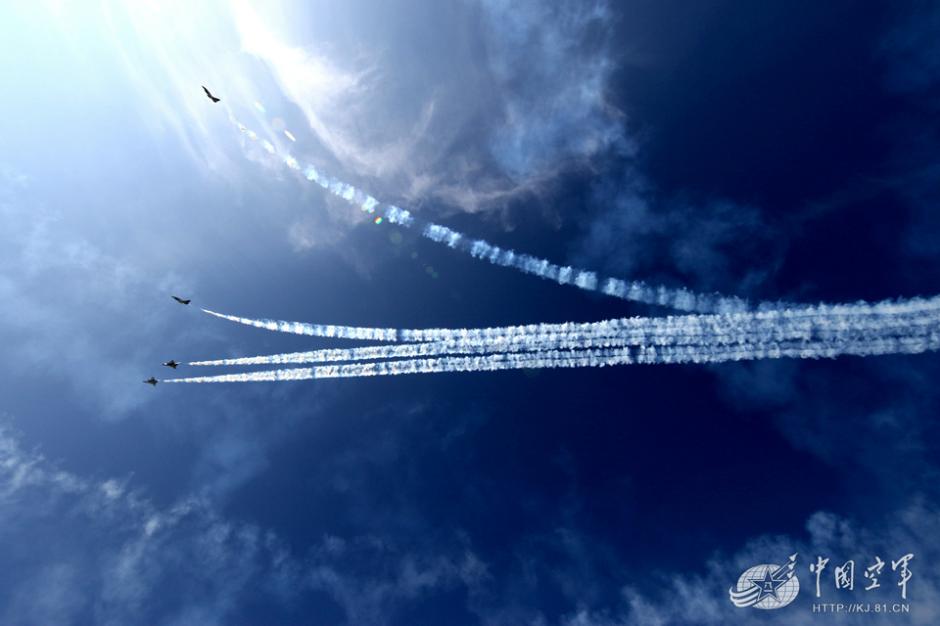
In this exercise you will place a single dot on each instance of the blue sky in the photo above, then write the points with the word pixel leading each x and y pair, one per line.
pixel 773 151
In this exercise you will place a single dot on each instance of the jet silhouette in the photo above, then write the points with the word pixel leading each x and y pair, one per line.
pixel 171 363
pixel 211 97
pixel 181 301
pixel 151 381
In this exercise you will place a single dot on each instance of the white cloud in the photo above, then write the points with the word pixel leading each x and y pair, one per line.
pixel 79 549
pixel 70 303
pixel 701 597
pixel 496 102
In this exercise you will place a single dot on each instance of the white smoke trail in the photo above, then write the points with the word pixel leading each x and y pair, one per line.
pixel 768 324
pixel 636 291
pixel 588 358
pixel 656 333
pixel 736 327
pixel 732 330
pixel 315 330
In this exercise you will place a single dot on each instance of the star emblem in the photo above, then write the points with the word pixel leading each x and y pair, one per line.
pixel 768 585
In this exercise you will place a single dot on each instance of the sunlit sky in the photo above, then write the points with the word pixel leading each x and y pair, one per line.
pixel 771 151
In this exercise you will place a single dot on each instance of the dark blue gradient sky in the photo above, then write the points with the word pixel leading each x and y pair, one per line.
pixel 773 150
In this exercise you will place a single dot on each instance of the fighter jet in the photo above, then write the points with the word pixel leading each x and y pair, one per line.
pixel 151 381
pixel 211 97
pixel 172 364
pixel 181 301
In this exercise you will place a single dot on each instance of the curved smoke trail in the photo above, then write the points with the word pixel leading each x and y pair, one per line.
pixel 636 291
pixel 587 358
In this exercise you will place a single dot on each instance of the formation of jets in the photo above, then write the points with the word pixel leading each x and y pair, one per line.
pixel 171 363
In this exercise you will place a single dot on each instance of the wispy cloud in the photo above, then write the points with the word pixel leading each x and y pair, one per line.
pixel 700 597
pixel 64 305
pixel 703 245
pixel 532 106
pixel 100 551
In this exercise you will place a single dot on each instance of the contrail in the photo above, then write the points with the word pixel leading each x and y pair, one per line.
pixel 315 330
pixel 719 329
pixel 770 324
pixel 636 291
pixel 655 333
pixel 587 358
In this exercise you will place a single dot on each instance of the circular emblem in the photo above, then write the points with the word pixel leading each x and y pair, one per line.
pixel 765 586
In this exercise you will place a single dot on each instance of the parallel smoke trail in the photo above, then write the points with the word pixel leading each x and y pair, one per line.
pixel 636 291
pixel 838 328
pixel 587 358
pixel 726 328
pixel 771 324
